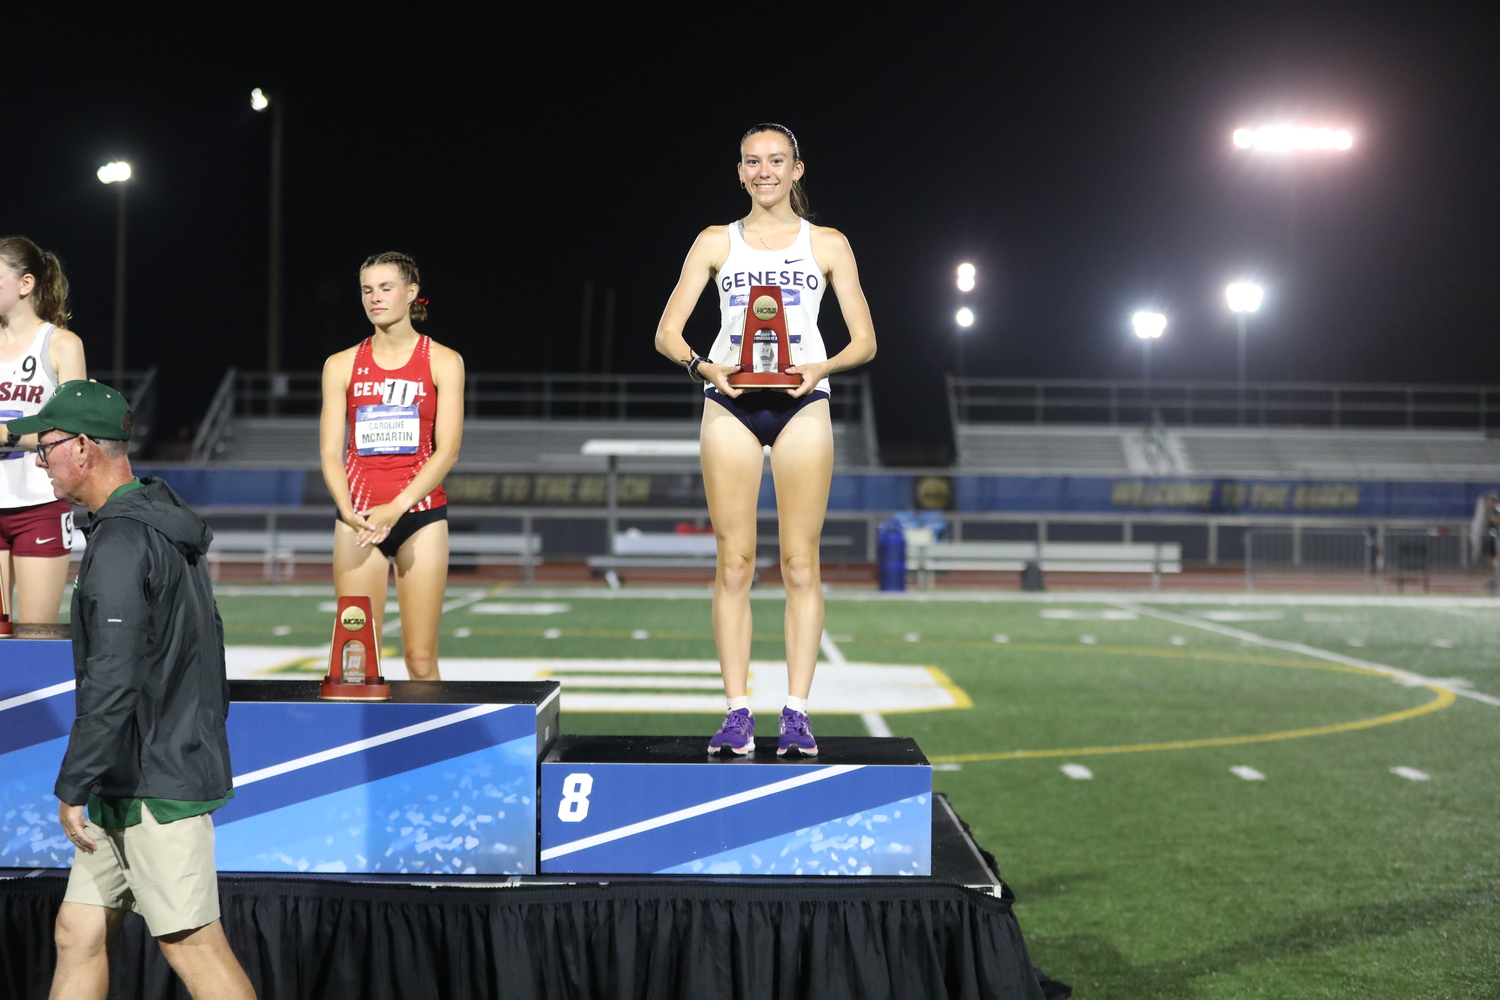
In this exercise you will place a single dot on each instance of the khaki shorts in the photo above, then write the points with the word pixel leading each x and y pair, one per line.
pixel 163 871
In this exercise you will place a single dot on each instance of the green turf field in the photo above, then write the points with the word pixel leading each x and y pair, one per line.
pixel 1164 873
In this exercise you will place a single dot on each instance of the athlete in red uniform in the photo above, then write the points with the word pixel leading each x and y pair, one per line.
pixel 392 421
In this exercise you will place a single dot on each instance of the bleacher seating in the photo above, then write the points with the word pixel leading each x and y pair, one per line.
pixel 1042 450
pixel 1350 454
pixel 488 441
pixel 1272 452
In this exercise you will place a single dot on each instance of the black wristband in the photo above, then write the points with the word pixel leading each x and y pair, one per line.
pixel 692 367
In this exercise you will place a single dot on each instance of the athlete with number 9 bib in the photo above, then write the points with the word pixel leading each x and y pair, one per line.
pixel 392 420
pixel 37 353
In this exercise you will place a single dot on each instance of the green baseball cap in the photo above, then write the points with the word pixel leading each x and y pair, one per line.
pixel 81 406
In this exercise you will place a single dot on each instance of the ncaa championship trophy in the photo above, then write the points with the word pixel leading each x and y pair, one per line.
pixel 765 354
pixel 354 662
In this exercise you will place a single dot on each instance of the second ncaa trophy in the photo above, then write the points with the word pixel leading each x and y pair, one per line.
pixel 354 660
pixel 765 352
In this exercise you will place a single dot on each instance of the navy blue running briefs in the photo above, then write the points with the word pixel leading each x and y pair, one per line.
pixel 406 525
pixel 765 412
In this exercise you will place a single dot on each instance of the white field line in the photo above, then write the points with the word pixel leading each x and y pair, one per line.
pixel 1017 597
pixel 651 683
pixel 392 624
pixel 333 753
pixel 40 694
pixel 1395 673
pixel 701 808
pixel 875 723
pixel 834 654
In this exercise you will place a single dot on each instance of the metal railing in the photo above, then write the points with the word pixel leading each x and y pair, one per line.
pixel 1223 404
pixel 1383 556
pixel 215 422
pixel 140 389
pixel 528 397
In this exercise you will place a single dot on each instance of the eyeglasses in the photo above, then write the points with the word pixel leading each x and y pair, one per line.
pixel 42 450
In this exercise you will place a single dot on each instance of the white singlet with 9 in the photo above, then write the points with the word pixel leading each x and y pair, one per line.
pixel 25 384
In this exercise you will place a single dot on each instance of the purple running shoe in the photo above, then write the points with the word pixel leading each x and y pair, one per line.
pixel 796 734
pixel 737 733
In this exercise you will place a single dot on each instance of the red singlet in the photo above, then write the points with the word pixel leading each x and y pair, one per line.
pixel 391 413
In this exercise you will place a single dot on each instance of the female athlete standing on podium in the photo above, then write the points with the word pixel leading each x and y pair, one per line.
pixel 37 353
pixel 398 400
pixel 777 245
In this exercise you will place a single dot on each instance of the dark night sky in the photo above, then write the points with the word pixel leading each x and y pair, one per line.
pixel 1078 154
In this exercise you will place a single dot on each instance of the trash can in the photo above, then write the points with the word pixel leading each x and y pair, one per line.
pixel 890 547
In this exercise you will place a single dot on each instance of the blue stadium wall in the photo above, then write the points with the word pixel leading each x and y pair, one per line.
pixel 885 491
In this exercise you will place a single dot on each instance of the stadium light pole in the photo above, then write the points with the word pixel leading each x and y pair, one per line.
pixel 117 173
pixel 1292 142
pixel 1244 298
pixel 261 101
pixel 964 317
pixel 1148 327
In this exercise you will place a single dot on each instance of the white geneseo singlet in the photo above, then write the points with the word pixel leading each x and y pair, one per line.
pixel 25 384
pixel 801 282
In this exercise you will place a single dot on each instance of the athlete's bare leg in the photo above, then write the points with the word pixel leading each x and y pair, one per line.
pixel 360 572
pixel 421 576
pixel 732 463
pixel 802 465
pixel 39 587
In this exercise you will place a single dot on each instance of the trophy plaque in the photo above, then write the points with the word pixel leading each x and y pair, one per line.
pixel 354 663
pixel 765 354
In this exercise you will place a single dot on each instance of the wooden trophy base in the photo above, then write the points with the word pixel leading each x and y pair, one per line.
pixel 377 690
pixel 765 380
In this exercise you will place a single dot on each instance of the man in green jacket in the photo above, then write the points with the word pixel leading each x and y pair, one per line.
pixel 148 757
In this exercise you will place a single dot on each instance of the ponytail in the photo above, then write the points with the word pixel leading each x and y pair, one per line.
pixel 799 200
pixel 49 298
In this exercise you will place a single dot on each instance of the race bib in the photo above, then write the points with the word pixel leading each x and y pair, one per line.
pixel 386 430
pixel 400 392
pixel 5 416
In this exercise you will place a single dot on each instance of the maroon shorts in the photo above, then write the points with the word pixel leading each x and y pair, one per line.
pixel 45 529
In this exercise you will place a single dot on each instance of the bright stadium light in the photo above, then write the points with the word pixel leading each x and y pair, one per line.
pixel 113 173
pixel 1148 325
pixel 1292 138
pixel 1244 297
pixel 258 99
pixel 966 278
pixel 964 317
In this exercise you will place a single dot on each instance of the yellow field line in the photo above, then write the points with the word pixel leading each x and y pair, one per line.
pixel 1442 700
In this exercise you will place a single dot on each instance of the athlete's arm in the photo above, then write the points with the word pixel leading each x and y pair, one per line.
pixel 65 351
pixel 447 433
pixel 833 253
pixel 708 254
pixel 332 431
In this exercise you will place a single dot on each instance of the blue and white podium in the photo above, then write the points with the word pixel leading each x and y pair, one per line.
pixel 441 779
pixel 662 805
